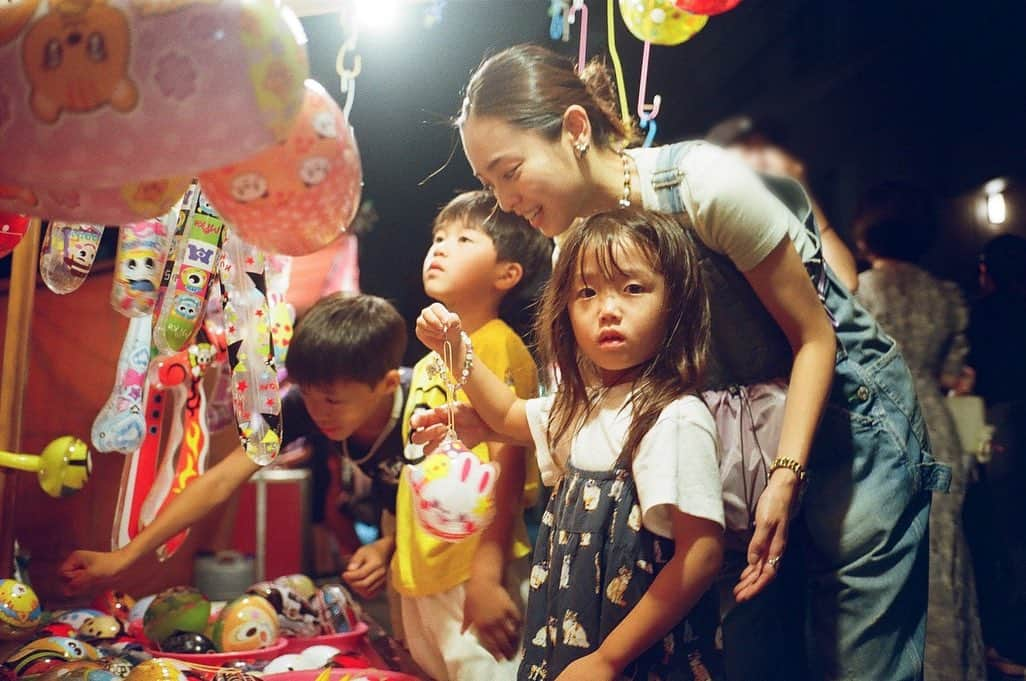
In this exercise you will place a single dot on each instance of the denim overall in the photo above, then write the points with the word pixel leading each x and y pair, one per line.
pixel 862 531
pixel 592 563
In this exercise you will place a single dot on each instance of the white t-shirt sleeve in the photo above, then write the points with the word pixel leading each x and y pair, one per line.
pixel 730 207
pixel 676 466
pixel 537 411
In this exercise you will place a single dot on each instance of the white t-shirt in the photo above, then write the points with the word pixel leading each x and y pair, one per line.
pixel 731 209
pixel 675 466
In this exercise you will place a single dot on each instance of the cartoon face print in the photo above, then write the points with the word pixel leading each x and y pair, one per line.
pixel 186 306
pixel 324 124
pixel 249 187
pixel 138 270
pixel 76 60
pixel 314 170
pixel 194 279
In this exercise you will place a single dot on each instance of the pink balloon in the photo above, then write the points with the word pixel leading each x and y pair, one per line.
pixel 298 196
pixel 131 202
pixel 707 7
pixel 100 93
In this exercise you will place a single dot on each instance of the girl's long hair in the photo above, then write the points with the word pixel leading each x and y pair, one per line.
pixel 676 368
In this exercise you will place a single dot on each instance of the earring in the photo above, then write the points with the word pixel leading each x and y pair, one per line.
pixel 581 147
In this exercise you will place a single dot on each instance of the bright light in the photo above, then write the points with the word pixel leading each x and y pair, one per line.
pixel 377 16
pixel 996 208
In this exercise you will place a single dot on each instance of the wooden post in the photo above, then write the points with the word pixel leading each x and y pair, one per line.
pixel 15 376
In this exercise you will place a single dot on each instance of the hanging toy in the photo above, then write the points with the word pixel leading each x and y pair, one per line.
pixel 283 315
pixel 660 22
pixel 139 263
pixel 139 472
pixel 707 7
pixel 452 488
pixel 121 425
pixel 12 228
pixel 255 397
pixel 67 255
pixel 219 405
pixel 63 467
pixel 298 196
pixel 187 277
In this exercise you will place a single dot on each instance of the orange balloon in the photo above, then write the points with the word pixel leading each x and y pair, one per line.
pixel 299 195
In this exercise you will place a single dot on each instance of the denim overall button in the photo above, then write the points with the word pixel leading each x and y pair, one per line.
pixel 862 393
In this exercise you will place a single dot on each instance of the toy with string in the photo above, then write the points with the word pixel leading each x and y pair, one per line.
pixel 67 255
pixel 139 472
pixel 139 264
pixel 452 488
pixel 120 425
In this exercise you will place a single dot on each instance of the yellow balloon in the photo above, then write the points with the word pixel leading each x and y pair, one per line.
pixel 660 22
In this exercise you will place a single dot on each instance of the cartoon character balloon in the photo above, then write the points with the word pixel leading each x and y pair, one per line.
pixel 20 613
pixel 101 93
pixel 707 7
pixel 298 196
pixel 247 623
pixel 452 491
pixel 660 22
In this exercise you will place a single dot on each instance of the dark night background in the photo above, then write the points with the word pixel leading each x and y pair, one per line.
pixel 863 92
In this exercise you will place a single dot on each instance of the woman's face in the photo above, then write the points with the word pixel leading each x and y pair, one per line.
pixel 531 176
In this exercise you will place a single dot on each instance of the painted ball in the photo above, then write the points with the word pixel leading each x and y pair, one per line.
pixel 247 623
pixel 76 618
pixel 188 642
pixel 157 669
pixel 296 616
pixel 137 611
pixel 338 610
pixel 101 628
pixel 116 603
pixel 20 613
pixel 660 22
pixel 44 653
pixel 179 608
pixel 300 583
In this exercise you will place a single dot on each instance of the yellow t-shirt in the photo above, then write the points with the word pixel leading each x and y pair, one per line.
pixel 422 564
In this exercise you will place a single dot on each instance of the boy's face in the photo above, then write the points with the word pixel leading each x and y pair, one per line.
pixel 341 408
pixel 461 261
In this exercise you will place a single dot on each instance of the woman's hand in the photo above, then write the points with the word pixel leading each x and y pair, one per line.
pixel 772 516
pixel 593 667
pixel 85 569
pixel 435 325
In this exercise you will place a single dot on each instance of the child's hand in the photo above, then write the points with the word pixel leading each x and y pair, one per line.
pixel 494 617
pixel 593 667
pixel 436 324
pixel 431 425
pixel 84 569
pixel 367 570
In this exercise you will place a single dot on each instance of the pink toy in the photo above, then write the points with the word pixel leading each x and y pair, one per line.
pixel 452 492
pixel 98 205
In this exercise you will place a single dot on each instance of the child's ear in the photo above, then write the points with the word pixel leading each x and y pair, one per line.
pixel 390 382
pixel 508 275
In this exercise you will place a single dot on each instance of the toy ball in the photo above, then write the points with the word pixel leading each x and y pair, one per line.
pixel 20 613
pixel 95 93
pixel 660 22
pixel 337 609
pixel 12 228
pixel 137 611
pixel 180 608
pixel 76 618
pixel 452 492
pixel 157 669
pixel 296 616
pixel 187 642
pixel 296 197
pixel 116 603
pixel 301 584
pixel 101 627
pixel 247 623
pixel 45 653
pixel 707 7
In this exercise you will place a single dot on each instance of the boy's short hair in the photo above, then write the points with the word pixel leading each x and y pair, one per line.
pixel 346 337
pixel 515 241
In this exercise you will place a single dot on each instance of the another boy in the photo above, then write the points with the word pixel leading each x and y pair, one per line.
pixel 347 398
pixel 462 602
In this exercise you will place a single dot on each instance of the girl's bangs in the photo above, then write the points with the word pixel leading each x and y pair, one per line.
pixel 607 246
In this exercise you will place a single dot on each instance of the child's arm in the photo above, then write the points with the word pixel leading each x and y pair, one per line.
pixel 675 590
pixel 83 569
pixel 500 409
pixel 488 608
pixel 367 570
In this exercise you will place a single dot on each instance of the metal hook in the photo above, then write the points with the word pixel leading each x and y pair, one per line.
pixel 649 111
pixel 347 75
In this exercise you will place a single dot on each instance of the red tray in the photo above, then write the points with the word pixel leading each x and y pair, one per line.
pixel 341 640
pixel 340 674
pixel 219 659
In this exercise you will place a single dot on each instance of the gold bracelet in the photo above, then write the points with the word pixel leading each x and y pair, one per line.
pixel 791 465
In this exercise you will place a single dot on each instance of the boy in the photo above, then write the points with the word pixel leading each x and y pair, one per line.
pixel 462 602
pixel 347 398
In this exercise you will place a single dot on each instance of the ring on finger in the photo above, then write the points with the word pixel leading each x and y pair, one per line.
pixel 774 562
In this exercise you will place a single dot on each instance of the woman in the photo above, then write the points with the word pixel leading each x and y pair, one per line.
pixel 551 146
pixel 928 317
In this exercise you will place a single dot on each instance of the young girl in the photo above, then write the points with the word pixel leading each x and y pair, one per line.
pixel 632 535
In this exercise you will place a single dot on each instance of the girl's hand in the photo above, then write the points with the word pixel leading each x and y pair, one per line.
pixel 772 515
pixel 494 617
pixel 436 324
pixel 431 425
pixel 593 667
pixel 84 569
